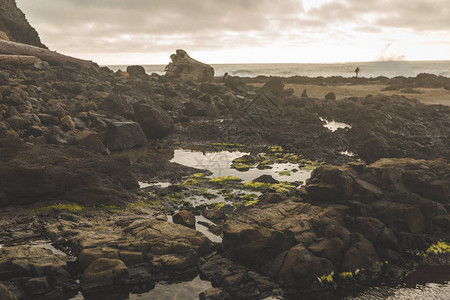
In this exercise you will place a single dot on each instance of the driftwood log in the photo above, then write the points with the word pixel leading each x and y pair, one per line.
pixel 19 59
pixel 13 48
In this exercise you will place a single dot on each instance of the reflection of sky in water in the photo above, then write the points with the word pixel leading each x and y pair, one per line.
pixel 203 229
pixel 428 291
pixel 160 184
pixel 333 126
pixel 187 290
pixel 219 164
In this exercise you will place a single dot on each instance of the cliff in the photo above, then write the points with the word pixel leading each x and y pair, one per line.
pixel 16 27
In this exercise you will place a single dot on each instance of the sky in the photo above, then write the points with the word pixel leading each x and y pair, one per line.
pixel 116 32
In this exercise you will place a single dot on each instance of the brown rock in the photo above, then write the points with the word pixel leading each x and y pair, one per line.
pixel 68 123
pixel 104 274
pixel 184 217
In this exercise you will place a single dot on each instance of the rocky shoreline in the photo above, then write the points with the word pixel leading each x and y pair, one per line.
pixel 351 224
pixel 77 145
pixel 301 197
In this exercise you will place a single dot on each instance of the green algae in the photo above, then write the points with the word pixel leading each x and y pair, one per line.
pixel 70 207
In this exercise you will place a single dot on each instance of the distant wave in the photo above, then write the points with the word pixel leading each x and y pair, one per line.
pixel 237 72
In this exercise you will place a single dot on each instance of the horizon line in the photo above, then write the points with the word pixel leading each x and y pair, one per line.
pixel 291 63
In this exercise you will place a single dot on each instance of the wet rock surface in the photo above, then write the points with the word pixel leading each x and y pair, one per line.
pixel 346 219
pixel 36 272
pixel 59 181
pixel 31 173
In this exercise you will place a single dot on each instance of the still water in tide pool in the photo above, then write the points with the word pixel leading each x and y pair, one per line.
pixel 219 164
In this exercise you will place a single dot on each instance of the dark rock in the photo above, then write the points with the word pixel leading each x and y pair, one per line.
pixel 220 215
pixel 4 78
pixel 47 119
pixel 183 67
pixel 124 135
pixel 69 87
pixel 199 108
pixel 289 92
pixel 58 137
pixel 297 267
pixel 275 85
pixel 90 140
pixel 33 173
pixel 116 105
pixel 329 184
pixel 185 218
pixel 209 88
pixel 136 71
pixel 155 166
pixel 369 227
pixel 41 270
pixel 79 124
pixel 16 26
pixel 304 94
pixel 36 131
pixel 271 198
pixel 361 254
pixel 37 286
pixel 6 294
pixel 266 179
pixel 154 121
pixel 236 84
pixel 235 281
pixel 330 96
pixel 373 149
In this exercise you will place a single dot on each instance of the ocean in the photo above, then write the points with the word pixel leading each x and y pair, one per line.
pixel 367 69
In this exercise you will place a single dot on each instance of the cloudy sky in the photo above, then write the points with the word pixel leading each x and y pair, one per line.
pixel 243 31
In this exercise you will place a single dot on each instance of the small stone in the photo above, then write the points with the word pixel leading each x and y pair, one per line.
pixel 68 123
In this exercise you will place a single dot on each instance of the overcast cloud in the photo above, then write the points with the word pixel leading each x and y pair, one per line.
pixel 103 28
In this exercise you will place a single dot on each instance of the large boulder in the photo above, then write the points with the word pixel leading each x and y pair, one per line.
pixel 136 71
pixel 104 274
pixel 183 67
pixel 46 172
pixel 155 121
pixel 116 105
pixel 124 135
pixel 347 219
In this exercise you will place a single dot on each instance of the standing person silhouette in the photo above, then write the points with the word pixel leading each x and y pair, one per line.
pixel 357 71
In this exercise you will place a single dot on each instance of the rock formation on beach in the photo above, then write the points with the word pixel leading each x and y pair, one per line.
pixel 183 67
pixel 15 26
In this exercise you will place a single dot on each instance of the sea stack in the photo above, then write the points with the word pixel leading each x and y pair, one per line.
pixel 183 67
